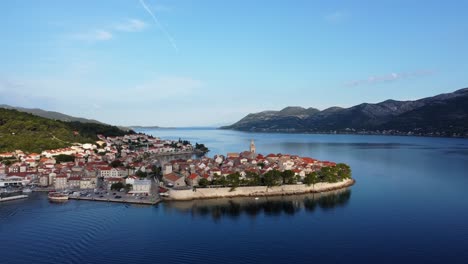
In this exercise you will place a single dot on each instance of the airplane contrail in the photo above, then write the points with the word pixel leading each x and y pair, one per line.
pixel 156 21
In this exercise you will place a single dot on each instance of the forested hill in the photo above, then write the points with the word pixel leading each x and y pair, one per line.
pixel 30 133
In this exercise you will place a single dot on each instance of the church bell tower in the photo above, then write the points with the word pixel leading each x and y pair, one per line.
pixel 252 146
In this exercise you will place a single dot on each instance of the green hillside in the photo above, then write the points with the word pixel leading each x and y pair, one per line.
pixel 19 130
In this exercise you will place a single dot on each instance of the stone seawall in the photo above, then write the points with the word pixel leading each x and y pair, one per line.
pixel 207 193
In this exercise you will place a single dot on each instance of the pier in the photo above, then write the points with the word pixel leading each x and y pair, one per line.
pixel 125 199
pixel 11 198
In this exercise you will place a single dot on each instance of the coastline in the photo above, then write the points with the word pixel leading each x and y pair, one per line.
pixel 369 133
pixel 255 191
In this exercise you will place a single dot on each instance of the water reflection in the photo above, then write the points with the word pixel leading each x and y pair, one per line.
pixel 269 206
pixel 356 145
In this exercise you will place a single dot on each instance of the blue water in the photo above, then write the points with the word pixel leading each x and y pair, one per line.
pixel 409 205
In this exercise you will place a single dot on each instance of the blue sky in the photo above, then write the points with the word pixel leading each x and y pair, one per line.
pixel 202 62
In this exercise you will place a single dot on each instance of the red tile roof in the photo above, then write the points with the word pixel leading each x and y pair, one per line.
pixel 74 178
pixel 114 179
pixel 172 177
pixel 193 176
pixel 308 160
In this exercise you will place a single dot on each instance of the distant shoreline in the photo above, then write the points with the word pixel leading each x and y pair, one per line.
pixel 180 128
pixel 149 127
pixel 255 191
pixel 341 133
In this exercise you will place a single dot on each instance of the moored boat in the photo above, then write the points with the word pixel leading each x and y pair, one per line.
pixel 27 190
pixel 55 196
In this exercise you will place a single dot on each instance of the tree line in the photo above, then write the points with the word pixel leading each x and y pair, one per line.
pixel 277 178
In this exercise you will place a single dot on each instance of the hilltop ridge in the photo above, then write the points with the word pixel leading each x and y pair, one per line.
pixel 440 115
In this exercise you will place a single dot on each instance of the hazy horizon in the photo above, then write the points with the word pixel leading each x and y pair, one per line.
pixel 189 63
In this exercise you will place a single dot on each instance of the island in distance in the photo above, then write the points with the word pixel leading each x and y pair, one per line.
pixel 443 115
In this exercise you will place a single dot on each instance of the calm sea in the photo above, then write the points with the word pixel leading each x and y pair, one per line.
pixel 409 205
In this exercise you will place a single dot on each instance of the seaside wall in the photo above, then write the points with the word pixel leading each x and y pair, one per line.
pixel 205 193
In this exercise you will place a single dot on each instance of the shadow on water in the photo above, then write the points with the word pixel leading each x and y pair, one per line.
pixel 268 206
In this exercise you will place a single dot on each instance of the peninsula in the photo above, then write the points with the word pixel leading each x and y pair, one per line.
pixel 252 174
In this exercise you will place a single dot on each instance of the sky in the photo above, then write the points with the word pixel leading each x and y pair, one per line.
pixel 210 62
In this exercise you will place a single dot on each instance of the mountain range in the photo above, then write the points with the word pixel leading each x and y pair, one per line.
pixel 440 115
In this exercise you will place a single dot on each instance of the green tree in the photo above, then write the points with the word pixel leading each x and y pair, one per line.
pixel 343 171
pixel 7 162
pixel 311 178
pixel 233 180
pixel 203 182
pixel 141 174
pixel 272 178
pixel 201 147
pixel 155 170
pixel 253 179
pixel 116 163
pixel 328 174
pixel 298 178
pixel 288 177
pixel 220 180
pixel 117 186
pixel 64 158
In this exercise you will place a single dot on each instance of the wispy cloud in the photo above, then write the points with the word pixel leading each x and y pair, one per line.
pixel 131 25
pixel 156 21
pixel 391 77
pixel 95 35
pixel 337 17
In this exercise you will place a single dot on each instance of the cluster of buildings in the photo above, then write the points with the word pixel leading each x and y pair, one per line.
pixel 111 160
pixel 127 160
pixel 180 173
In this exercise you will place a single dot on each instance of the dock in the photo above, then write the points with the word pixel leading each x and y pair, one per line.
pixel 11 198
pixel 130 200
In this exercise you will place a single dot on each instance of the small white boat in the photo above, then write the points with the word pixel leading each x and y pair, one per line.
pixel 27 190
pixel 55 196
